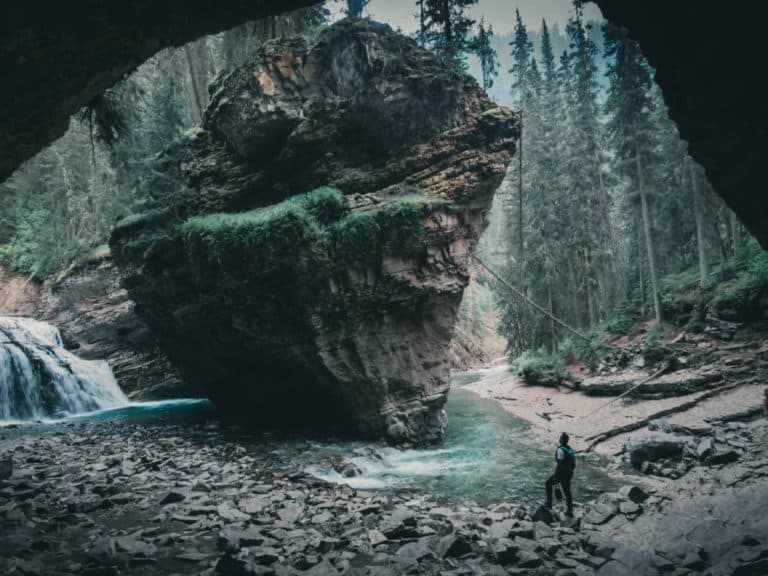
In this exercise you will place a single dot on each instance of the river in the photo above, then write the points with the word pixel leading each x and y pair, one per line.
pixel 487 456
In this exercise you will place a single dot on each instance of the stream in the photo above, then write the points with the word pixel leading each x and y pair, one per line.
pixel 488 456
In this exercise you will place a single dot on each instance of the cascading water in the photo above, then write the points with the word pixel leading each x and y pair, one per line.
pixel 40 379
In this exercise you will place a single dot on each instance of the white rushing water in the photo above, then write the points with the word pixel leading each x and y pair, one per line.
pixel 39 379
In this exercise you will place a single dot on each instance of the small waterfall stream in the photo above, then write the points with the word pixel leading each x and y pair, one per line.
pixel 40 379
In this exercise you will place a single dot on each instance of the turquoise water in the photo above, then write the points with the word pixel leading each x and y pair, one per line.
pixel 487 456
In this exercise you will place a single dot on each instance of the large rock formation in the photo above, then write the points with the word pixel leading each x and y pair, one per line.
pixel 311 269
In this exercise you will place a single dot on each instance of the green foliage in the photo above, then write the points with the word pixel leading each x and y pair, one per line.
pixel 357 235
pixel 326 204
pixel 538 367
pixel 401 218
pixel 737 291
pixel 267 234
pixel 361 233
pixel 26 252
pixel 653 349
pixel 748 287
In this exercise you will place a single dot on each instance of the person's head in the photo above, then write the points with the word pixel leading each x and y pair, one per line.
pixel 564 438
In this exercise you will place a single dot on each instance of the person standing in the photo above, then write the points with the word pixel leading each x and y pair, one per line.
pixel 565 464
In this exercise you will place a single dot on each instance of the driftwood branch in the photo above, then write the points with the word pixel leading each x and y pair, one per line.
pixel 602 437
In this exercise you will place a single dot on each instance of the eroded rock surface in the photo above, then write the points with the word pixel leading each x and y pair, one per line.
pixel 310 269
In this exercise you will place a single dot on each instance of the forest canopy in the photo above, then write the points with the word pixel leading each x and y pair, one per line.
pixel 604 219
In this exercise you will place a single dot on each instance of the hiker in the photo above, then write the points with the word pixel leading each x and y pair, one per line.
pixel 765 403
pixel 565 461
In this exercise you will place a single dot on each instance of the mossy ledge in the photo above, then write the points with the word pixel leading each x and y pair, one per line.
pixel 310 269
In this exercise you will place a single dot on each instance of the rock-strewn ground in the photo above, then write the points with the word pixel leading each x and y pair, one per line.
pixel 116 498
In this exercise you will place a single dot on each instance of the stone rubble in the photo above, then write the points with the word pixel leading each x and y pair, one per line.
pixel 115 498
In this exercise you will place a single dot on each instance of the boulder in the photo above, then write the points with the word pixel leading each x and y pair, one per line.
pixel 633 493
pixel 308 267
pixel 705 448
pixel 505 551
pixel 654 446
pixel 6 468
pixel 453 546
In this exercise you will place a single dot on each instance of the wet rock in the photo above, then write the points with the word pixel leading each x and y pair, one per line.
pixel 375 537
pixel 170 497
pixel 528 559
pixel 660 425
pixel 453 546
pixel 231 514
pixel 543 515
pixel 6 468
pixel 756 568
pixel 419 550
pixel 229 565
pixel 135 546
pixel 85 503
pixel 630 509
pixel 634 494
pixel 724 457
pixel 232 539
pixel 705 448
pixel 600 513
pixel 505 551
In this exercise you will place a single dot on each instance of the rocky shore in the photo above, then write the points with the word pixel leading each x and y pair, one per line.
pixel 121 498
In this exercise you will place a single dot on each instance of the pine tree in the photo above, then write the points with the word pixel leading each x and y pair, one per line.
pixel 489 60
pixel 522 52
pixel 447 28
pixel 583 162
pixel 631 129
pixel 355 8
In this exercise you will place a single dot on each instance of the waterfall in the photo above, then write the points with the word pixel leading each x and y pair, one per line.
pixel 40 379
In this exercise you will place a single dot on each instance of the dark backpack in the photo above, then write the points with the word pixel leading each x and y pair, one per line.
pixel 569 462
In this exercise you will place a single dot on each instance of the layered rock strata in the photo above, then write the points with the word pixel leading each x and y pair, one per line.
pixel 309 269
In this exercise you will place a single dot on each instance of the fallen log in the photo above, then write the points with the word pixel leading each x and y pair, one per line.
pixel 602 437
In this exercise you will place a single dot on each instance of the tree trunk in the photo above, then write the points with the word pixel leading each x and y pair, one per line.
pixel 735 233
pixel 552 329
pixel 447 25
pixel 520 237
pixel 422 23
pixel 198 62
pixel 701 241
pixel 588 282
pixel 652 271
pixel 640 269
